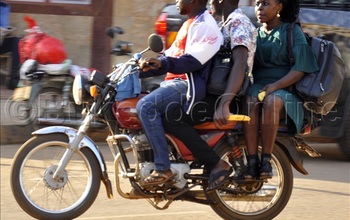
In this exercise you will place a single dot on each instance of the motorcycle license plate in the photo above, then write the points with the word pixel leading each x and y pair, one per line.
pixel 22 93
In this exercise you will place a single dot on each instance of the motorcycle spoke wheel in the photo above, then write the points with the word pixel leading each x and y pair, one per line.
pixel 44 197
pixel 50 107
pixel 256 200
pixel 50 104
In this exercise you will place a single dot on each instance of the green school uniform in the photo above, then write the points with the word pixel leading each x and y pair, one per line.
pixel 272 63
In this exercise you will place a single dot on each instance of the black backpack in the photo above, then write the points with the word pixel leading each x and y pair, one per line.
pixel 320 90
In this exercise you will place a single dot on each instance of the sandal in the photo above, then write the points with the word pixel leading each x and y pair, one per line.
pixel 253 166
pixel 265 171
pixel 158 177
pixel 214 181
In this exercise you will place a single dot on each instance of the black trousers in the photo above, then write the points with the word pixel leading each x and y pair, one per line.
pixel 180 124
pixel 10 44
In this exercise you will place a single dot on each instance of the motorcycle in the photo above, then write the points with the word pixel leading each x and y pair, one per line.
pixel 57 173
pixel 44 92
pixel 44 95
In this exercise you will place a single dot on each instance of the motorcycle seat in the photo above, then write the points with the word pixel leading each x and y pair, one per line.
pixel 233 122
pixel 56 69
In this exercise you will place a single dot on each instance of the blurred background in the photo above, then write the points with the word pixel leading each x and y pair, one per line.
pixel 81 24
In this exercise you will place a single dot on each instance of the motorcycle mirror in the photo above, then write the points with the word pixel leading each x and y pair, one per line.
pixel 155 43
pixel 111 31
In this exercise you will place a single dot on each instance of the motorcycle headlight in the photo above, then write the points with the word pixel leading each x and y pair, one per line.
pixel 80 94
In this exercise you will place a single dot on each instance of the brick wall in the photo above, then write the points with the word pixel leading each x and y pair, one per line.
pixel 137 18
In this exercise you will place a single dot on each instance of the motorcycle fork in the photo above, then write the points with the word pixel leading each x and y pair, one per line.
pixel 73 147
pixel 66 90
pixel 35 90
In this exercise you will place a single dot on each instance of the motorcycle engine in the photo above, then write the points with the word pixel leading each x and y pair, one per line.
pixel 146 158
pixel 178 168
pixel 144 150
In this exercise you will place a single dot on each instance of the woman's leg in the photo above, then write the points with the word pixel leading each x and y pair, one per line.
pixel 271 115
pixel 251 128
pixel 251 134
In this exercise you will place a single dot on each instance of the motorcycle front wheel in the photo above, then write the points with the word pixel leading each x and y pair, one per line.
pixel 41 195
pixel 256 200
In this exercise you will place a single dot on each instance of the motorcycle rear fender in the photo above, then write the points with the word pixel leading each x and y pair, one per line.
pixel 288 146
pixel 85 142
pixel 38 85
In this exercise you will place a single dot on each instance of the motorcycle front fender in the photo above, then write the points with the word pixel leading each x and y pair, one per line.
pixel 85 142
pixel 288 146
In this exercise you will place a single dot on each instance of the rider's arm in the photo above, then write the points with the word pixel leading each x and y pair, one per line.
pixel 176 65
pixel 179 65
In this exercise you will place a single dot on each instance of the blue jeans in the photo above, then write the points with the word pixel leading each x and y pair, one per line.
pixel 150 110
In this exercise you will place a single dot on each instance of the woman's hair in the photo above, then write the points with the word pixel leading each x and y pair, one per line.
pixel 290 10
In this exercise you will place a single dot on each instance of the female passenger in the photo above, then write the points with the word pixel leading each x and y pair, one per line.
pixel 273 76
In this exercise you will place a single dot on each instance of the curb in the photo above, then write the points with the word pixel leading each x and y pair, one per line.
pixel 14 134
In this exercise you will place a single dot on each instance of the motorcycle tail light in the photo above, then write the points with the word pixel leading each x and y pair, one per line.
pixel 161 27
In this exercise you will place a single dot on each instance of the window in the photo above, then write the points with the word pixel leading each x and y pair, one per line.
pixel 78 2
pixel 342 5
pixel 58 7
pixel 27 0
pixel 328 2
pixel 83 2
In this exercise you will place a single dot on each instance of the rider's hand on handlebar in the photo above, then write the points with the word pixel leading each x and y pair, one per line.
pixel 149 63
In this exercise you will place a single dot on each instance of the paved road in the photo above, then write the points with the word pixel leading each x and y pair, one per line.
pixel 323 194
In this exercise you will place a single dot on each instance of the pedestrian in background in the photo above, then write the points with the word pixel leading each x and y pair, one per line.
pixel 9 43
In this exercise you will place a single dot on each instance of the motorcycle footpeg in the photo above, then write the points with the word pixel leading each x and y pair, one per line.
pixel 135 194
pixel 162 186
pixel 308 149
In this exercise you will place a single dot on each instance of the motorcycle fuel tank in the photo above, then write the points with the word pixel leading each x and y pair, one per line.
pixel 126 114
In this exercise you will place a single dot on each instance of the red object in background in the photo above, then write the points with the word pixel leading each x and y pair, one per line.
pixel 40 46
pixel 161 28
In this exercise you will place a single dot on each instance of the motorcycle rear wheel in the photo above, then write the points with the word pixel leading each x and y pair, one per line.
pixel 48 104
pixel 39 194
pixel 261 203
